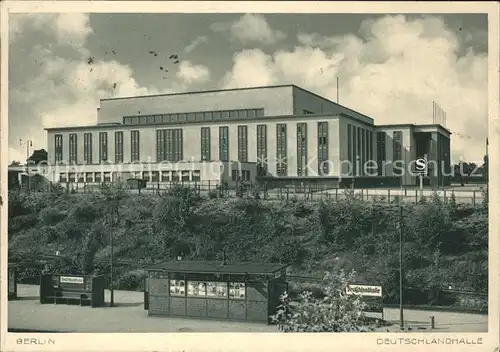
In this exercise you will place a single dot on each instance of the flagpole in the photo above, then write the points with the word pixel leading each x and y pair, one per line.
pixel 337 90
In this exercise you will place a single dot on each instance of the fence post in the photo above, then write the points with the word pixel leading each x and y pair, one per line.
pixel 474 198
pixel 416 196
pixel 388 196
pixel 337 194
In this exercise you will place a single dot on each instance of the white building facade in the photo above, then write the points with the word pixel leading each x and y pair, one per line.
pixel 267 132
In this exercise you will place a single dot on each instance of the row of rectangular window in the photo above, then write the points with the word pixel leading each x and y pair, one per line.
pixel 223 115
pixel 103 147
pixel 170 146
pixel 153 176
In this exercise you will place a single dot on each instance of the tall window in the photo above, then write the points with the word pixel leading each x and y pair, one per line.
pixel 118 147
pixel 349 144
pixel 242 144
pixel 261 150
pixel 134 146
pixel 281 162
pixel 354 149
pixel 381 154
pixel 205 144
pixel 370 145
pixel 58 147
pixel 358 152
pixel 73 147
pixel 87 148
pixel 302 149
pixel 160 145
pixel 323 148
pixel 103 146
pixel 224 143
pixel 178 147
pixel 169 145
pixel 363 151
pixel 397 136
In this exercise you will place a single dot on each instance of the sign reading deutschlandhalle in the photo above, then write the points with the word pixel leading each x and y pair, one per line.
pixel 71 280
pixel 364 290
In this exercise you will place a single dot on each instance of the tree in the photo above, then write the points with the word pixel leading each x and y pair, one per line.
pixel 38 156
pixel 335 312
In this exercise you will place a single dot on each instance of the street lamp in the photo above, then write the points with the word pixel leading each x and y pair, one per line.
pixel 373 217
pixel 401 318
pixel 29 143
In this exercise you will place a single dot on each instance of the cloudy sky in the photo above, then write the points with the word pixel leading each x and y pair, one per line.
pixel 389 67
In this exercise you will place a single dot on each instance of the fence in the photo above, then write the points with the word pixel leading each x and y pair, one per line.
pixel 315 192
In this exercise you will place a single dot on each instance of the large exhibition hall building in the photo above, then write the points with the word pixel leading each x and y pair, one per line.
pixel 281 133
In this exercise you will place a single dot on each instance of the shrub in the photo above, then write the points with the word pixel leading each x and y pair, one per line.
pixel 51 216
pixel 213 193
pixel 18 223
pixel 335 312
pixel 472 303
pixel 132 281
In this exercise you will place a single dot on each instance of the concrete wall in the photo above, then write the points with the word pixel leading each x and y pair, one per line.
pixel 343 143
pixel 276 101
pixel 304 100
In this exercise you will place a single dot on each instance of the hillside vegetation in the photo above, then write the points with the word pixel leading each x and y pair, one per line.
pixel 444 244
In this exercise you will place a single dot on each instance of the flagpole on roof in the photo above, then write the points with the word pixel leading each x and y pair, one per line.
pixel 337 90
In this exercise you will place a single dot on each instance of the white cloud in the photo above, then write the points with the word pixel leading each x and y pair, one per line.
pixel 66 92
pixel 250 28
pixel 70 29
pixel 392 73
pixel 196 43
pixel 190 73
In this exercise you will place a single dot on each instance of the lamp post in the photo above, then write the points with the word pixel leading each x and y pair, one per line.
pixel 29 143
pixel 401 318
pixel 111 269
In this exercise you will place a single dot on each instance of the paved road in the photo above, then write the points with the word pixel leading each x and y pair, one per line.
pixel 129 316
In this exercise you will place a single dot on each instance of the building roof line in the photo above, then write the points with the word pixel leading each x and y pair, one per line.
pixel 198 92
pixel 414 126
pixel 331 101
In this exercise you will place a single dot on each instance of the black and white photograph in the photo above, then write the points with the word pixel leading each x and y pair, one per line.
pixel 234 169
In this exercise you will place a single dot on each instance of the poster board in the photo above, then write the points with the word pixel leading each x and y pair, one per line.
pixel 372 295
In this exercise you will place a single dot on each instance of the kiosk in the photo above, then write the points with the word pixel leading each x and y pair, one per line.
pixel 210 289
pixel 86 290
pixel 12 280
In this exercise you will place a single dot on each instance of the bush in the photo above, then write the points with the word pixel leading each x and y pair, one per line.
pixel 472 303
pixel 335 312
pixel 23 222
pixel 131 281
pixel 51 216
